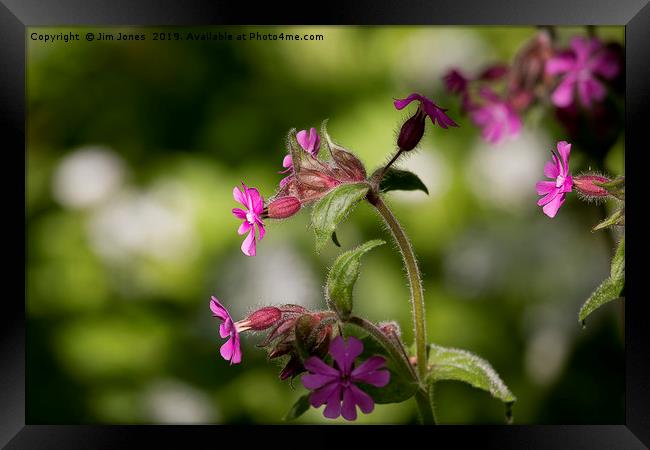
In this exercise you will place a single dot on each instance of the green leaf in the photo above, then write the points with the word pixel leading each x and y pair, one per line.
pixel 461 365
pixel 611 288
pixel 617 270
pixel 403 180
pixel 333 208
pixel 343 275
pixel 608 290
pixel 617 218
pixel 299 408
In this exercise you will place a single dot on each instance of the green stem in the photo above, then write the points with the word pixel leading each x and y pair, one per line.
pixel 415 284
pixel 424 405
pixel 417 305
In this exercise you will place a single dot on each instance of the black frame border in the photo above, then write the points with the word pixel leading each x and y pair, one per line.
pixel 16 15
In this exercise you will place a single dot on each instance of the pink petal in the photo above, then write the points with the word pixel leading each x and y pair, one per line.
pixel 302 139
pixel 564 149
pixel 349 409
pixel 544 187
pixel 328 392
pixel 255 201
pixel 314 142
pixel 443 119
pixel 493 132
pixel 239 196
pixel 362 399
pixel 590 89
pixel 236 356
pixel 225 328
pixel 287 161
pixel 514 124
pixel 560 63
pixel 563 94
pixel 239 213
pixel 333 408
pixel 248 246
pixel 244 228
pixel 548 197
pixel 552 168
pixel 481 116
pixel 317 381
pixel 402 103
pixel 551 208
pixel 318 366
pixel 218 309
pixel 228 349
pixel 343 354
pixel 368 372
pixel 261 231
pixel 606 65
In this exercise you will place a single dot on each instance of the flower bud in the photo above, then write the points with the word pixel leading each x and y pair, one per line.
pixel 411 132
pixel 283 207
pixel 584 184
pixel 260 320
pixel 390 329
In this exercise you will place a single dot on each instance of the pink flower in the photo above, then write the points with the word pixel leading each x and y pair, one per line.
pixel 309 143
pixel 497 118
pixel 336 385
pixel 581 65
pixel 456 82
pixel 430 109
pixel 230 351
pixel 554 192
pixel 253 201
pixel 259 320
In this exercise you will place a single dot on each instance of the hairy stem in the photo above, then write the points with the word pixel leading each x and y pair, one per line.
pixel 389 345
pixel 424 406
pixel 415 284
pixel 387 166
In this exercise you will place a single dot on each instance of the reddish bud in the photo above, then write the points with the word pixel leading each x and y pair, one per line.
pixel 260 320
pixel 390 329
pixel 585 185
pixel 411 132
pixel 283 207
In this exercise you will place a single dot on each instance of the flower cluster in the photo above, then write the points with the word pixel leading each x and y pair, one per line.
pixel 306 337
pixel 540 72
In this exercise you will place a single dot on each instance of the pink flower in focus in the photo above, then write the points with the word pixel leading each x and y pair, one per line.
pixel 432 110
pixel 309 143
pixel 336 385
pixel 230 351
pixel 581 65
pixel 497 118
pixel 554 192
pixel 252 200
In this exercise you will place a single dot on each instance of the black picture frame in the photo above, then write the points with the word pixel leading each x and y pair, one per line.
pixel 16 15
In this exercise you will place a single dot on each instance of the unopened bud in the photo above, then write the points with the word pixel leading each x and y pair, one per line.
pixel 390 329
pixel 584 184
pixel 292 368
pixel 411 132
pixel 260 320
pixel 283 207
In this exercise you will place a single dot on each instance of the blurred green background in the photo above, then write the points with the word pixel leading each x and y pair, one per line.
pixel 133 151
